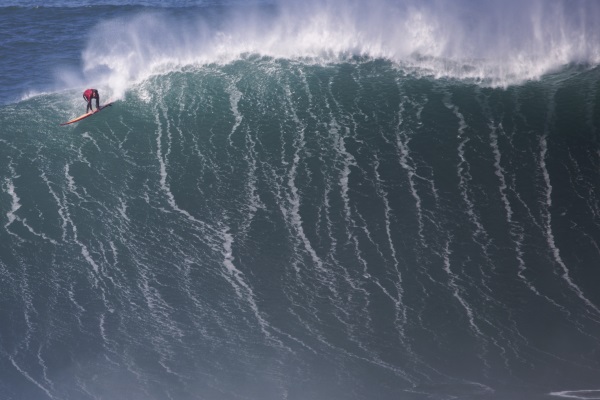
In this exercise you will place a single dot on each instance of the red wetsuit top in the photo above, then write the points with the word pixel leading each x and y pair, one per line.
pixel 89 94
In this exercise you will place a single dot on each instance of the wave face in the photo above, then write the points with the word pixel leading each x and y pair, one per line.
pixel 247 224
pixel 272 229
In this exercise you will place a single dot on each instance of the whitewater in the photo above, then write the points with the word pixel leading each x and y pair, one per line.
pixel 315 200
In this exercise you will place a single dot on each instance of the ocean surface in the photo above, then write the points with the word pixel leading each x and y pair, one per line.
pixel 300 200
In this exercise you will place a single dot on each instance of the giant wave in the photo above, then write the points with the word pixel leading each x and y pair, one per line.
pixel 306 218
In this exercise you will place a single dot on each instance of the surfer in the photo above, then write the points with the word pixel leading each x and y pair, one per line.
pixel 90 94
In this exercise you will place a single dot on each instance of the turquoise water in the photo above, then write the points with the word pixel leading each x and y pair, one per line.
pixel 298 222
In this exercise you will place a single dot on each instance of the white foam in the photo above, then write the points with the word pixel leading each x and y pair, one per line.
pixel 463 173
pixel 30 378
pixel 456 291
pixel 490 42
pixel 407 164
pixel 244 291
pixel 15 205
pixel 593 394
pixel 549 233
pixel 234 98
pixel 401 309
pixel 163 164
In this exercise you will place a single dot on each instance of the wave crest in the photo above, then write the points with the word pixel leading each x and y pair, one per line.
pixel 497 44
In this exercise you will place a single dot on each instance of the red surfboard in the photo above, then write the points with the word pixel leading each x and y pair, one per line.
pixel 89 114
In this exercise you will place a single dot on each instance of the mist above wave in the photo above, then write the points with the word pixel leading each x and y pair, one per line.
pixel 493 42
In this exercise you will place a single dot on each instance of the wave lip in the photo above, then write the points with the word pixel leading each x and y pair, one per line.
pixel 493 44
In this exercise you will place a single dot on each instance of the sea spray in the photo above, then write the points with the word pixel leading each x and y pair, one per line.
pixel 482 42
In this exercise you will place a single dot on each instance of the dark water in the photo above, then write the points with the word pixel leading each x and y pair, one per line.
pixel 266 227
